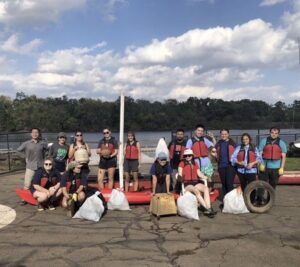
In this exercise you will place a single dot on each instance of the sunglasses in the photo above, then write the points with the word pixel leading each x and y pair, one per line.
pixel 187 156
pixel 163 159
pixel 78 134
pixel 105 132
pixel 48 164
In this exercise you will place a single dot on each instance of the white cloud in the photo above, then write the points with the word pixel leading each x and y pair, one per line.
pixel 35 12
pixel 12 45
pixel 255 43
pixel 108 8
pixel 291 20
pixel 227 63
pixel 271 2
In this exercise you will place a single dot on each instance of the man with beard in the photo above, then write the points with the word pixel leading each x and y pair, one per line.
pixel 176 148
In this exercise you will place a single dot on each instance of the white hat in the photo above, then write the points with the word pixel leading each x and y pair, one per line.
pixel 188 152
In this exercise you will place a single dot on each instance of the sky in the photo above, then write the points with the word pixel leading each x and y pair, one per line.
pixel 151 49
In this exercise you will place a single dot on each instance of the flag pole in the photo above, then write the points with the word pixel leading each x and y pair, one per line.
pixel 121 141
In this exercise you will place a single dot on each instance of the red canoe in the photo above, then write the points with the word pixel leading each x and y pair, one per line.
pixel 133 198
pixel 143 197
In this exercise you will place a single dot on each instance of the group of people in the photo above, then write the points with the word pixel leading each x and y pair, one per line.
pixel 59 173
pixel 192 160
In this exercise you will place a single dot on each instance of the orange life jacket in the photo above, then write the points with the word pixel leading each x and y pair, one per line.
pixel 199 147
pixel 251 157
pixel 272 149
pixel 131 151
pixel 189 171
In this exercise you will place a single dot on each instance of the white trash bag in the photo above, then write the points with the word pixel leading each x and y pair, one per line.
pixel 92 209
pixel 117 201
pixel 234 202
pixel 162 147
pixel 187 206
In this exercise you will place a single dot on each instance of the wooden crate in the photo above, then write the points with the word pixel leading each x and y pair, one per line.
pixel 163 204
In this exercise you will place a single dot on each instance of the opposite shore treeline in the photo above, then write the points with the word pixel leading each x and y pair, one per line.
pixel 91 115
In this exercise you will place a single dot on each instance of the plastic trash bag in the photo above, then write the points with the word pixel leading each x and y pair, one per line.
pixel 117 201
pixel 187 206
pixel 234 202
pixel 92 209
pixel 162 147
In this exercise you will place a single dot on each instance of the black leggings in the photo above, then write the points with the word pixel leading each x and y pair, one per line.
pixel 227 175
pixel 246 178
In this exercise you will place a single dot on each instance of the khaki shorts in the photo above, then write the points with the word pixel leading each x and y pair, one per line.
pixel 28 178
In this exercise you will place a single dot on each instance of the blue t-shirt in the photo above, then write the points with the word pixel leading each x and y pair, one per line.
pixel 224 161
pixel 166 170
pixel 272 164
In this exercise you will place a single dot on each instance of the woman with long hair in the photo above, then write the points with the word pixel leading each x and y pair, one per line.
pixel 246 157
pixel 78 144
pixel 132 159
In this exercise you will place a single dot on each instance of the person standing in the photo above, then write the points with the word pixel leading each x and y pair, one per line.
pixel 132 151
pixel 34 150
pixel 200 145
pixel 176 148
pixel 273 151
pixel 225 148
pixel 246 157
pixel 80 151
pixel 59 152
pixel 108 151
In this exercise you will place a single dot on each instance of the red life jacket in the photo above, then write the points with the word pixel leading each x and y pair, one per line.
pixel 189 171
pixel 242 155
pixel 176 148
pixel 45 182
pixel 108 143
pixel 272 150
pixel 131 151
pixel 199 148
pixel 230 148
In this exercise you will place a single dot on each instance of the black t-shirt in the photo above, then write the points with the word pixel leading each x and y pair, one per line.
pixel 74 179
pixel 53 178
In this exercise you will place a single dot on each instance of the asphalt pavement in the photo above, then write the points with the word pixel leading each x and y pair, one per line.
pixel 134 238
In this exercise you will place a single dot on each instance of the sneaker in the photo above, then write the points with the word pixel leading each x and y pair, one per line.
pixel 210 212
pixel 51 207
pixel 22 203
pixel 40 207
pixel 71 207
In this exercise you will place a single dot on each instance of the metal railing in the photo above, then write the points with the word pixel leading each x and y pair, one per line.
pixel 11 160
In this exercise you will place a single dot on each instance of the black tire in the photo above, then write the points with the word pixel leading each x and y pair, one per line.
pixel 252 189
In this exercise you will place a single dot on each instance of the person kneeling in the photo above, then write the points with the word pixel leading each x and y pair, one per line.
pixel 73 184
pixel 189 174
pixel 161 172
pixel 45 186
